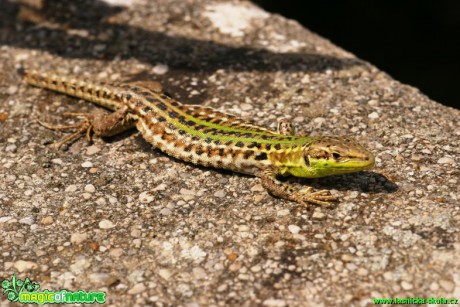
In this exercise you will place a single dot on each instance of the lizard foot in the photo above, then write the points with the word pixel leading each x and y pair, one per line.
pixel 83 127
pixel 322 197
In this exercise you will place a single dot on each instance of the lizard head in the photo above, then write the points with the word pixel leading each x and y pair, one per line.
pixel 327 156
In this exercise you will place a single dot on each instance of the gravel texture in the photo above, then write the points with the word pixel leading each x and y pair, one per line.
pixel 119 216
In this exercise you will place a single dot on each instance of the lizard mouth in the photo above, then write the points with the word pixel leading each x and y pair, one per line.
pixel 336 158
pixel 335 164
pixel 366 160
pixel 355 164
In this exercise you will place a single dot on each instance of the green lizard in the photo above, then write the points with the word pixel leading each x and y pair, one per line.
pixel 205 136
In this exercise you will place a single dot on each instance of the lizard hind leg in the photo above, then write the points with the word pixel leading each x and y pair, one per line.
pixel 82 127
pixel 99 122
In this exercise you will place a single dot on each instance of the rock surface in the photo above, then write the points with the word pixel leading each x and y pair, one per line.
pixel 122 217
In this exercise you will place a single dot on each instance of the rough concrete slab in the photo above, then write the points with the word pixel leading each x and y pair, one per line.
pixel 119 216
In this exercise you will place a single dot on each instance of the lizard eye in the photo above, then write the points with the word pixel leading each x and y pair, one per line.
pixel 336 156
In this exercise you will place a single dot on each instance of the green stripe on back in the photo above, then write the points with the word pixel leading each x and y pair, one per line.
pixel 226 132
pixel 203 122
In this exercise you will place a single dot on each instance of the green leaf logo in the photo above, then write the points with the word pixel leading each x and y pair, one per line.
pixel 5 284
pixel 12 289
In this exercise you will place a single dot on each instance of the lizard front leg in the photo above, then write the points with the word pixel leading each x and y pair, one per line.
pixel 288 192
pixel 99 122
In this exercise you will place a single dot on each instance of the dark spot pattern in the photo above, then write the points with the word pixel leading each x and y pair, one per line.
pixel 260 157
pixel 162 106
pixel 248 154
pixel 254 144
pixel 199 150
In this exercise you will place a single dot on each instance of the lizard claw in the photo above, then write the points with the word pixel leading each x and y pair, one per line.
pixel 83 127
pixel 322 197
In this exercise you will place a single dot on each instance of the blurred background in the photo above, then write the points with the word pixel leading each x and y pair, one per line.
pixel 416 42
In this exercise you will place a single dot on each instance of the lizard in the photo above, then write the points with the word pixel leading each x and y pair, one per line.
pixel 205 136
